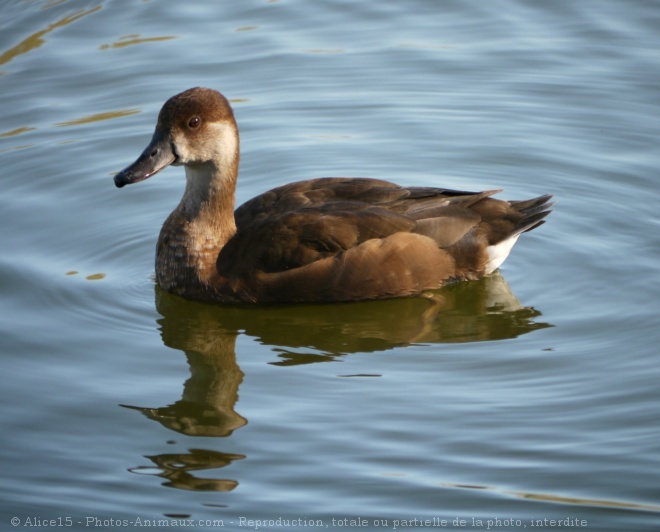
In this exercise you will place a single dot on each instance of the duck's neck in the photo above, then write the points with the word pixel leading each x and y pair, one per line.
pixel 197 229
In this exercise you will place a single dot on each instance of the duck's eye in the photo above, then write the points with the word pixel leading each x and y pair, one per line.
pixel 194 122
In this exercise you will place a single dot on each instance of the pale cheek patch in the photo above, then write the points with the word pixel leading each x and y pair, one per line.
pixel 225 143
pixel 498 253
pixel 181 148
pixel 219 143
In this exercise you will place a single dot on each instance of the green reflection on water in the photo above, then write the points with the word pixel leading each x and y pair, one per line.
pixel 133 39
pixel 98 117
pixel 303 334
pixel 16 131
pixel 36 40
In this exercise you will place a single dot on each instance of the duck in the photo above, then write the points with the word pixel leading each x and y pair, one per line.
pixel 323 240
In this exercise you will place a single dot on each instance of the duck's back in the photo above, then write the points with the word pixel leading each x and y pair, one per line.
pixel 344 239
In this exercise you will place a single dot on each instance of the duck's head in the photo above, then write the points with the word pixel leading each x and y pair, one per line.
pixel 195 128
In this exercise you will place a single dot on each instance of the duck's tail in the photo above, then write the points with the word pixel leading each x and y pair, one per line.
pixel 534 211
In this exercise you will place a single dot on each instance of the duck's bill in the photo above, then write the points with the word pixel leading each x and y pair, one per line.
pixel 158 155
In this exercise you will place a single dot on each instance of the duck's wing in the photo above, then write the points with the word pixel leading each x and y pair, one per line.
pixel 280 241
pixel 303 222
pixel 364 238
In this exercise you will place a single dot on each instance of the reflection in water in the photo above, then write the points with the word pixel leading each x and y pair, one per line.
pixel 206 333
pixel 133 39
pixel 36 40
pixel 206 407
pixel 98 117
pixel 17 131
pixel 463 312
pixel 175 468
pixel 548 497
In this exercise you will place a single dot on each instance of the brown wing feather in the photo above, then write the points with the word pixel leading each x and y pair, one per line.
pixel 352 238
pixel 281 242
pixel 398 265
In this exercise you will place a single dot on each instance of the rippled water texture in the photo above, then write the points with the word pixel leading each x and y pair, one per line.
pixel 527 397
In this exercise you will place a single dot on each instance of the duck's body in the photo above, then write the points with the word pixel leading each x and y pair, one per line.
pixel 328 239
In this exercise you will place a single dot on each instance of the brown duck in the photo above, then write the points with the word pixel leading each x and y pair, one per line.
pixel 327 239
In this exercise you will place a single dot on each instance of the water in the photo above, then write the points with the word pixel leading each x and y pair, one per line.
pixel 509 403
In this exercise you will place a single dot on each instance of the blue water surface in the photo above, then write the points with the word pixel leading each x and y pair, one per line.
pixel 528 399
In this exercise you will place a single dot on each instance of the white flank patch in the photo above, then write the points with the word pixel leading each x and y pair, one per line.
pixel 498 253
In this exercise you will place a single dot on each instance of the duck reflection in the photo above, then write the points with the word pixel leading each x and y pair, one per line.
pixel 206 407
pixel 300 334
pixel 176 469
